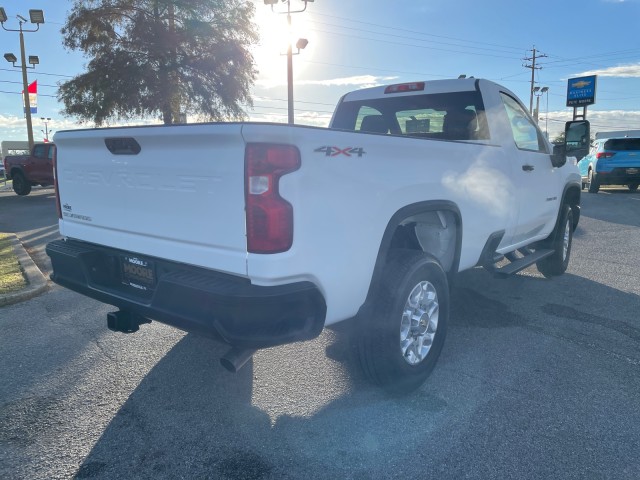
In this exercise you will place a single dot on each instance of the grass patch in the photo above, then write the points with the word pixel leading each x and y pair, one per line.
pixel 11 277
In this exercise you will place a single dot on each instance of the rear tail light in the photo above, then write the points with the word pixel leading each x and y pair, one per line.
pixel 269 216
pixel 55 181
pixel 600 155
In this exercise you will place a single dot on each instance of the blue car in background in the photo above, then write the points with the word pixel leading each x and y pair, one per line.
pixel 611 161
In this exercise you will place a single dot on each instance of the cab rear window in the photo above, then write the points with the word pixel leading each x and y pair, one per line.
pixel 622 144
pixel 450 116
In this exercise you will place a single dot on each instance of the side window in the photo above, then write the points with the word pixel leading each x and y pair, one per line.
pixel 38 151
pixel 464 123
pixel 525 132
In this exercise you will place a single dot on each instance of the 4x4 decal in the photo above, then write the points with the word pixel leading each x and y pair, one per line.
pixel 335 151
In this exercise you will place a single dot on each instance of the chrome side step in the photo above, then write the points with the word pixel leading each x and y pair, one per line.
pixel 519 263
pixel 519 260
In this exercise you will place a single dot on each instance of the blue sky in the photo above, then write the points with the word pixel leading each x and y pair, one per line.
pixel 359 43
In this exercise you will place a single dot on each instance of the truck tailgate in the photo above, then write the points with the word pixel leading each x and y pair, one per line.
pixel 175 192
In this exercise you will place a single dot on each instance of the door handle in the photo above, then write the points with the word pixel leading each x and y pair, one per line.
pixel 528 168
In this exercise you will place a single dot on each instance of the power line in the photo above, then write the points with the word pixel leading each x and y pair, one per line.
pixel 626 127
pixel 592 56
pixel 20 93
pixel 297 109
pixel 418 33
pixel 565 61
pixel 20 83
pixel 297 101
pixel 373 69
pixel 406 37
pixel 418 46
pixel 39 73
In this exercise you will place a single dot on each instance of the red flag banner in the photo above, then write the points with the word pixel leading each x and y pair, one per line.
pixel 33 96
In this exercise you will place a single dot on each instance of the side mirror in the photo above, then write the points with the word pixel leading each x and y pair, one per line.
pixel 577 138
pixel 559 155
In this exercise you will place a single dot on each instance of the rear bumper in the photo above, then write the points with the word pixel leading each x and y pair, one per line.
pixel 619 176
pixel 194 299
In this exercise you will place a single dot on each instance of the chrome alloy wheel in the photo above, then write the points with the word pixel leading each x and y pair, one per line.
pixel 419 323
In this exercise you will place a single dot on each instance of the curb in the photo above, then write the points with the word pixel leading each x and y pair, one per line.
pixel 37 281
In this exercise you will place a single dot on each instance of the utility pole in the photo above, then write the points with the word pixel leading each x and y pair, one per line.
pixel 300 44
pixel 290 68
pixel 535 55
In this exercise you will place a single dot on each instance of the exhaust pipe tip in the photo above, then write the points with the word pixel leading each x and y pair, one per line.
pixel 235 358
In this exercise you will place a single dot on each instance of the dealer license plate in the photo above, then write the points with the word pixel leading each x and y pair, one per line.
pixel 138 272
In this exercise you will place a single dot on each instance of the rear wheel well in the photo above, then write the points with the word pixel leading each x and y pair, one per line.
pixel 434 227
pixel 435 232
pixel 14 170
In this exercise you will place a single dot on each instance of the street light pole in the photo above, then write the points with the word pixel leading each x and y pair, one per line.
pixel 25 91
pixel 538 92
pixel 301 43
pixel 36 17
pixel 290 68
pixel 46 128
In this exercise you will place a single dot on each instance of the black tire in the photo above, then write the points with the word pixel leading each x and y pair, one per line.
pixel 560 241
pixel 385 360
pixel 592 183
pixel 20 184
pixel 633 187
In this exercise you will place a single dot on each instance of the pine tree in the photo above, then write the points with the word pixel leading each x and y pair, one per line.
pixel 160 57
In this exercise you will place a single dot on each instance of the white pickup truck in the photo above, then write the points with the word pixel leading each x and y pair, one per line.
pixel 263 234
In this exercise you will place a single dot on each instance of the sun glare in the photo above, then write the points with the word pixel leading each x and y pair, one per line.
pixel 275 36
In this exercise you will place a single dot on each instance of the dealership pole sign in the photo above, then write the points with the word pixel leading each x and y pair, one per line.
pixel 581 91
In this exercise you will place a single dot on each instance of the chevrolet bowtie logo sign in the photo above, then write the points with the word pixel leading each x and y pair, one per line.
pixel 581 91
